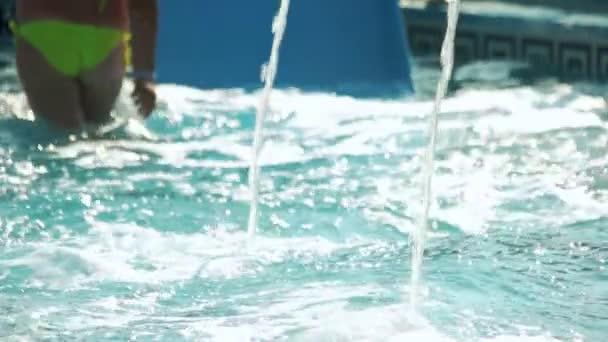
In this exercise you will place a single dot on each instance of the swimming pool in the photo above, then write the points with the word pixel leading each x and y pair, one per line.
pixel 129 237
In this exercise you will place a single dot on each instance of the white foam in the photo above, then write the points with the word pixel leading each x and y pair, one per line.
pixel 128 253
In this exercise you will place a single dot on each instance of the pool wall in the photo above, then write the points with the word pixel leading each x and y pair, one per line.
pixel 569 38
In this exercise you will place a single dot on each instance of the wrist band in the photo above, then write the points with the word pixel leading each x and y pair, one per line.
pixel 143 75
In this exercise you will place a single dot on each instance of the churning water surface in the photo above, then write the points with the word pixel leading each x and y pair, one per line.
pixel 141 233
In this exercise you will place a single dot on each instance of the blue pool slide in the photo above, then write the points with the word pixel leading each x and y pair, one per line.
pixel 353 47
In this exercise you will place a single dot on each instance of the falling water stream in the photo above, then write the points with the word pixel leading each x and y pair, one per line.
pixel 419 235
pixel 268 75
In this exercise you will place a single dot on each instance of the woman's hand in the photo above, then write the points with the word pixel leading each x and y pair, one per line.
pixel 143 16
pixel 144 96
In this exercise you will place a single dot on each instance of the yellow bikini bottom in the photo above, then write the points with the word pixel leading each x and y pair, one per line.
pixel 72 48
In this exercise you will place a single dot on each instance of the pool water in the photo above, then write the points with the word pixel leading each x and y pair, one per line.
pixel 133 237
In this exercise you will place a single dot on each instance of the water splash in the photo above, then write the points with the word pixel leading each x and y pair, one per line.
pixel 268 76
pixel 447 63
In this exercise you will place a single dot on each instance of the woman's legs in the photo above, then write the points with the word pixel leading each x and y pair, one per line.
pixel 68 102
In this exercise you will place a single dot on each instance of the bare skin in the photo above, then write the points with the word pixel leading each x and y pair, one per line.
pixel 88 99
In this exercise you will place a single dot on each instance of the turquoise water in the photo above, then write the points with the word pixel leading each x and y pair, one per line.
pixel 130 237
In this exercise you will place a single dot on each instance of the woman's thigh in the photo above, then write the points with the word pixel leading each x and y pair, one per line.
pixel 101 86
pixel 51 95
